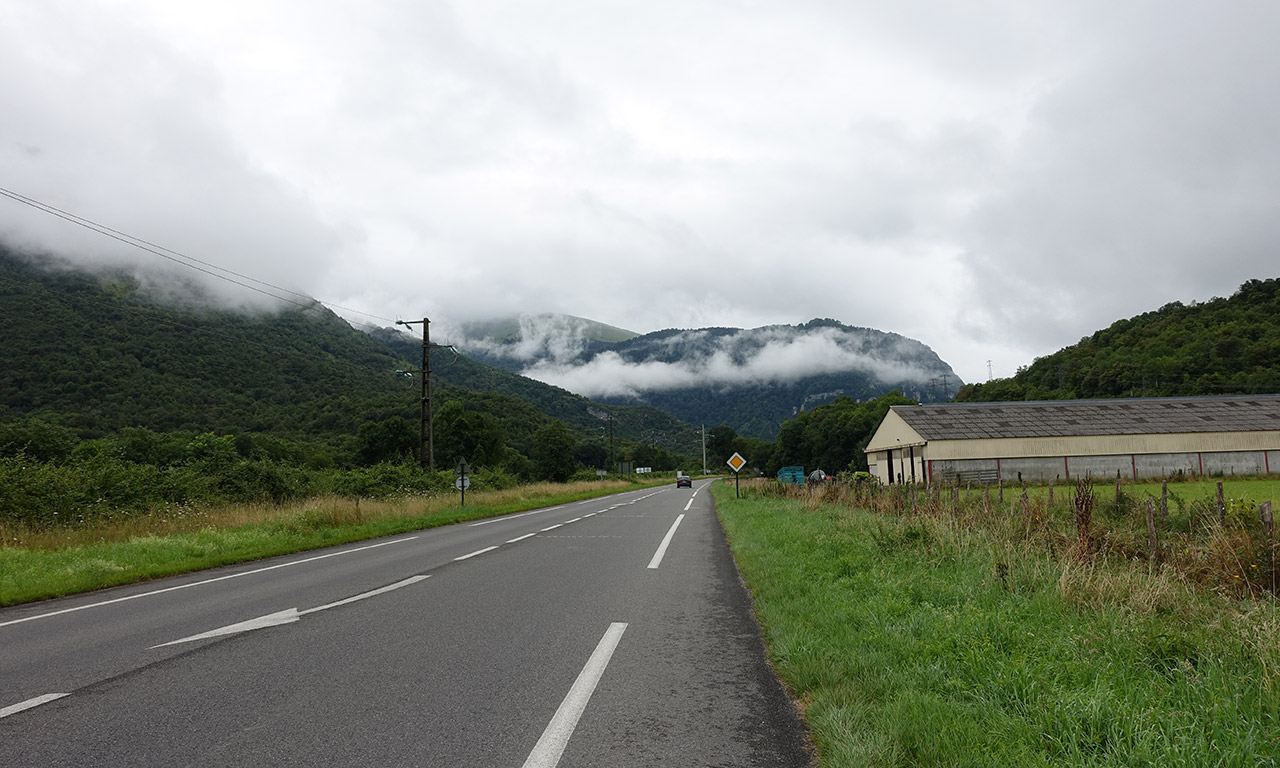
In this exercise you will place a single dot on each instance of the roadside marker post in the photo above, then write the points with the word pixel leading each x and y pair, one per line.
pixel 736 463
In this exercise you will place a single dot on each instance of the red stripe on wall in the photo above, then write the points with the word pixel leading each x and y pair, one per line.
pixel 1200 458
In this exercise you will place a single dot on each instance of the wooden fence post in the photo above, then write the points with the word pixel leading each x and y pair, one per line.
pixel 1153 544
pixel 1222 505
pixel 1164 500
pixel 1269 525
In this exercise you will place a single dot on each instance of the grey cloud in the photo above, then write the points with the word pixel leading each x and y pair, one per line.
pixel 110 123
pixel 1147 176
pixel 997 178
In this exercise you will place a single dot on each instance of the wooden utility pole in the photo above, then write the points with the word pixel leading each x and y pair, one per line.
pixel 426 427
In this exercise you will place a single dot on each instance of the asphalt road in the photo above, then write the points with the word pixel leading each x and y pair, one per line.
pixel 613 632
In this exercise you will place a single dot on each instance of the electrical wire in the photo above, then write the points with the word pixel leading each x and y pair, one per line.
pixel 180 258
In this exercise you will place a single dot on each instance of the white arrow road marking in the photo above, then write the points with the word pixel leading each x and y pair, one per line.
pixel 287 616
pixel 662 548
pixel 546 753
pixel 14 709
pixel 371 593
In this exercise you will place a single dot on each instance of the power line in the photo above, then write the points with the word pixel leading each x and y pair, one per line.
pixel 170 254
pixel 350 365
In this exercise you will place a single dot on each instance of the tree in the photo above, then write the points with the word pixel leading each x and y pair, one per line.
pixel 462 433
pixel 392 439
pixel 720 444
pixel 37 439
pixel 553 453
pixel 592 453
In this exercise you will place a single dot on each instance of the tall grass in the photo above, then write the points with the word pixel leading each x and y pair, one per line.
pixel 930 629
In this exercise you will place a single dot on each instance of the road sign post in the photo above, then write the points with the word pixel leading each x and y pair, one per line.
pixel 736 463
pixel 463 482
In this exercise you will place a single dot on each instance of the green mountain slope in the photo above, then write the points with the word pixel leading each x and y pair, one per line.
pixel 1222 346
pixel 96 353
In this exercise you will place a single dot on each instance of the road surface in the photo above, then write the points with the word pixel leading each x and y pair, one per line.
pixel 610 632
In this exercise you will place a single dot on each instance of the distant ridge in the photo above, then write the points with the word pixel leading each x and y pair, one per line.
pixel 748 379
pixel 509 329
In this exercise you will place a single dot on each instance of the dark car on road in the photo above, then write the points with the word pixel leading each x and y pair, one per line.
pixel 684 481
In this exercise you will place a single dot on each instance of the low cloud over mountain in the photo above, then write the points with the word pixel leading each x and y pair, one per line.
pixel 750 379
pixel 761 356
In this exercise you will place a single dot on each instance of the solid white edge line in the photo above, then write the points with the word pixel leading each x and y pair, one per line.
pixel 477 552
pixel 662 548
pixel 22 706
pixel 547 752
pixel 521 538
pixel 202 583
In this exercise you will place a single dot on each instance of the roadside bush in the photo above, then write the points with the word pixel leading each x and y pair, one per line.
pixel 493 480
pixel 388 480
pixel 262 481
pixel 47 494
pixel 38 439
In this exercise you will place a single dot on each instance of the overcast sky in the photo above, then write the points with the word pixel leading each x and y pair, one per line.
pixel 995 179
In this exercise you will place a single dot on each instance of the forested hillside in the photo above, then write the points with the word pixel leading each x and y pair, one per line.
pixel 98 353
pixel 1219 347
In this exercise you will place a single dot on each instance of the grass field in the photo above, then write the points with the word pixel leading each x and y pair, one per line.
pixel 920 634
pixel 40 563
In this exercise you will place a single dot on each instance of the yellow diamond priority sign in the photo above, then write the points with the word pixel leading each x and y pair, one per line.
pixel 736 462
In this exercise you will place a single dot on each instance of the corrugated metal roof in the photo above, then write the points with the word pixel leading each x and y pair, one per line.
pixel 1069 418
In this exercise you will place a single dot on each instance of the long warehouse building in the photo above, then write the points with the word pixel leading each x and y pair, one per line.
pixel 1065 439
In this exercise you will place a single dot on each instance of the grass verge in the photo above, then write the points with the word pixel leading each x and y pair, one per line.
pixel 41 563
pixel 919 640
